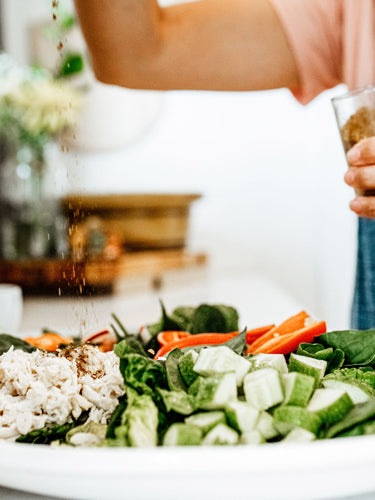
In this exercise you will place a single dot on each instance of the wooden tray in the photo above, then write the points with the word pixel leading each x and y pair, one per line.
pixel 65 277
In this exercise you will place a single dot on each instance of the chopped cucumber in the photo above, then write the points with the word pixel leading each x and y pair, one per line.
pixel 178 401
pixel 266 427
pixel 308 366
pixel 180 434
pixel 221 435
pixel 186 367
pixel 263 388
pixel 214 393
pixel 276 361
pixel 330 404
pixel 286 418
pixel 298 388
pixel 241 416
pixel 206 420
pixel 358 390
pixel 361 413
pixel 252 437
pixel 299 435
pixel 218 360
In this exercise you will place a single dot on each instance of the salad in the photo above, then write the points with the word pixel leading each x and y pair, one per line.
pixel 193 378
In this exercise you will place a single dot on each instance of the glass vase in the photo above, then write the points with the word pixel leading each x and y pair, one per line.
pixel 31 223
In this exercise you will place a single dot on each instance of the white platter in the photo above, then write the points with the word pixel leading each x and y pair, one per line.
pixel 304 471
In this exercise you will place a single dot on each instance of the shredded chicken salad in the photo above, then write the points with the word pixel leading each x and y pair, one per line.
pixel 39 389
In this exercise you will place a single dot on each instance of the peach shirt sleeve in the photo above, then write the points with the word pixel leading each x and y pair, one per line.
pixel 314 32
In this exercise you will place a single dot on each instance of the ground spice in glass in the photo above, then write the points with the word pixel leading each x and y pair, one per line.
pixel 359 126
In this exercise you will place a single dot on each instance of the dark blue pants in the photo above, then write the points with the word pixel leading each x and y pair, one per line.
pixel 363 307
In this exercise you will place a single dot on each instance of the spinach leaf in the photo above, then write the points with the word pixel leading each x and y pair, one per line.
pixel 141 373
pixel 238 343
pixel 130 345
pixel 334 357
pixel 115 419
pixel 214 318
pixel 175 381
pixel 357 345
pixel 231 317
pixel 7 341
pixel 51 433
pixel 166 323
pixel 184 317
pixel 208 319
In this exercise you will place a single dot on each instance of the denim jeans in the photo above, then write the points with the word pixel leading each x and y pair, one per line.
pixel 363 306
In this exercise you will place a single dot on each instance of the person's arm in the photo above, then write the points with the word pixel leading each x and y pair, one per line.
pixel 204 45
pixel 361 176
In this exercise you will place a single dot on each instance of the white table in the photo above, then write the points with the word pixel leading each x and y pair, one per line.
pixel 258 300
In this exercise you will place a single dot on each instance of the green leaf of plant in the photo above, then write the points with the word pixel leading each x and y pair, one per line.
pixel 175 381
pixel 8 341
pixel 207 319
pixel 357 345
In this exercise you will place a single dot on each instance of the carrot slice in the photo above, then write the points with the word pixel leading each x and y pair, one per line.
pixel 48 341
pixel 168 337
pixel 193 340
pixel 289 342
pixel 256 333
pixel 292 324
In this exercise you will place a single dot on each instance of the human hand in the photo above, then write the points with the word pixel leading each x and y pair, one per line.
pixel 361 177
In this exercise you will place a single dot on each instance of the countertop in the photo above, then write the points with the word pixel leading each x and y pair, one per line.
pixel 258 300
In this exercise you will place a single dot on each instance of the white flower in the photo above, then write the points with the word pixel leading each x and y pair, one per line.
pixel 46 105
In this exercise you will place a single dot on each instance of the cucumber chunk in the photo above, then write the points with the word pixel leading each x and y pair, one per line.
pixel 221 435
pixel 186 367
pixel 178 401
pixel 252 437
pixel 206 420
pixel 286 418
pixel 218 360
pixel 358 390
pixel 308 366
pixel 361 413
pixel 263 388
pixel 266 426
pixel 180 434
pixel 276 361
pixel 330 404
pixel 299 435
pixel 214 393
pixel 241 416
pixel 298 388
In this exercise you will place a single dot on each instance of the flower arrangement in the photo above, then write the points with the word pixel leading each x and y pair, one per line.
pixel 35 107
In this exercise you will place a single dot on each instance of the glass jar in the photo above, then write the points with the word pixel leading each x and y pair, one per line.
pixel 31 223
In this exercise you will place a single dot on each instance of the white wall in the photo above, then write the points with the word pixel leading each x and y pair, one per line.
pixel 271 173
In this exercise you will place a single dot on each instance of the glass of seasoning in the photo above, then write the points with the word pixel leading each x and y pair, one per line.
pixel 355 116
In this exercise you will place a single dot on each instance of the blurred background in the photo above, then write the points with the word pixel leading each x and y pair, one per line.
pixel 233 182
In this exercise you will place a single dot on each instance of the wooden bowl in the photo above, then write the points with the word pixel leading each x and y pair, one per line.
pixel 142 221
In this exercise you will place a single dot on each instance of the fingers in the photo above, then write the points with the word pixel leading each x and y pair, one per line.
pixel 361 178
pixel 362 153
pixel 364 206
